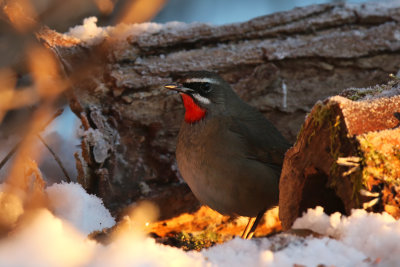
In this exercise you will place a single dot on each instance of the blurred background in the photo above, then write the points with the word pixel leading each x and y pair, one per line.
pixel 31 83
pixel 228 11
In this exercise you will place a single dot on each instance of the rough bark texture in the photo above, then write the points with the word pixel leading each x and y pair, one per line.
pixel 282 64
pixel 346 156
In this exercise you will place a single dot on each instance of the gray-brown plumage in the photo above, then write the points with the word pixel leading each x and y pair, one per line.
pixel 229 154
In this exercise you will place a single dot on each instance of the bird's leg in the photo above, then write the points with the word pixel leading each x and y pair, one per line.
pixel 252 225
pixel 248 227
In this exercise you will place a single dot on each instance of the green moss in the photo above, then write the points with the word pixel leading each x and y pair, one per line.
pixel 299 133
pixel 356 176
pixel 334 128
pixel 358 183
pixel 321 114
pixel 197 241
pixel 396 152
pixel 359 93
pixel 325 116
pixel 310 137
pixel 356 94
pixel 379 165
pixel 334 147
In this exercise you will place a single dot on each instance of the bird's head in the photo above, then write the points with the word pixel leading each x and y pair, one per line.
pixel 202 92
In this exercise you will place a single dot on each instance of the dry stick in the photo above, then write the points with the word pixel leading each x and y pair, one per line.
pixel 56 158
pixel 16 146
pixel 9 155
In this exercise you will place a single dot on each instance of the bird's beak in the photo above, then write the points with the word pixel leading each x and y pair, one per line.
pixel 179 88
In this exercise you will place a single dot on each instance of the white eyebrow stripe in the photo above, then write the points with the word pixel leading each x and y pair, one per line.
pixel 202 99
pixel 201 80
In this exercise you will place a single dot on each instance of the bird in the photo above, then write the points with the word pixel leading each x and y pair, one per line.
pixel 227 152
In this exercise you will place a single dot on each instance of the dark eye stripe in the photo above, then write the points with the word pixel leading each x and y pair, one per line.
pixel 196 85
pixel 200 87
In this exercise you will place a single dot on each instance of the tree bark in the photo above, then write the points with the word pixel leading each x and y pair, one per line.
pixel 281 63
pixel 346 156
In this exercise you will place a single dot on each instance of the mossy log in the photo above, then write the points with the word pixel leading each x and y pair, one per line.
pixel 347 155
pixel 281 63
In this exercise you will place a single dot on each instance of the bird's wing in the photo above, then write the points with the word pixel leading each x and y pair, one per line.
pixel 264 142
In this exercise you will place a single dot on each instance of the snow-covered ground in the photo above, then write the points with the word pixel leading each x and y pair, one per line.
pixel 59 238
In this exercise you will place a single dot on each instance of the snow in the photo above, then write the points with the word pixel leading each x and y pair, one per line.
pixel 98 140
pixel 85 212
pixel 11 208
pixel 58 237
pixel 46 241
pixel 376 235
pixel 135 251
pixel 301 251
pixel 90 34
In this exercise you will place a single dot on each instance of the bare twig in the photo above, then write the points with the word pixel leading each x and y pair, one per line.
pixel 10 154
pixel 16 146
pixel 56 158
pixel 55 115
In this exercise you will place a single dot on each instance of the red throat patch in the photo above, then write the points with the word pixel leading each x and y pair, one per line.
pixel 193 111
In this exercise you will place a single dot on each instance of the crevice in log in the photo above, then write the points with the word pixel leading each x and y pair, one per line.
pixel 316 192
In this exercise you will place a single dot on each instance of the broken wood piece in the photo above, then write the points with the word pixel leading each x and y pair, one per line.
pixel 347 155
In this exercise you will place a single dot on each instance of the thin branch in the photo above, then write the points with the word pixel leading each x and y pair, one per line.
pixel 55 157
pixel 55 115
pixel 16 146
pixel 10 154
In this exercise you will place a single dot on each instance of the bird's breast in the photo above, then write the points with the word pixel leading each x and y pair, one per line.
pixel 212 161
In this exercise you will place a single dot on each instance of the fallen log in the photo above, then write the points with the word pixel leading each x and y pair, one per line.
pixel 346 156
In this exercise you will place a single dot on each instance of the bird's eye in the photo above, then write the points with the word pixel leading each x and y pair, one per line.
pixel 206 88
